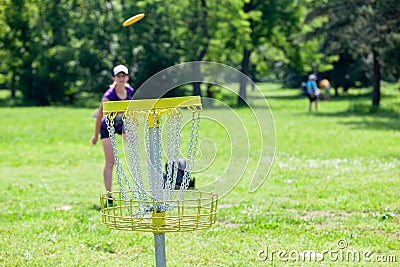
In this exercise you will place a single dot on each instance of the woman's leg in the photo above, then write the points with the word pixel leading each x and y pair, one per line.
pixel 109 164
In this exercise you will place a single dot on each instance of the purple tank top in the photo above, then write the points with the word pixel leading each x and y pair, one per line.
pixel 111 95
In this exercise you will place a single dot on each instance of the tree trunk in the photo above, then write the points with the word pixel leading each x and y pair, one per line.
pixel 336 91
pixel 196 77
pixel 243 78
pixel 376 92
pixel 248 7
pixel 13 90
pixel 204 50
pixel 209 91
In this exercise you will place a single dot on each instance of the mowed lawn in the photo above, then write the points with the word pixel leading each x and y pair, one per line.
pixel 333 190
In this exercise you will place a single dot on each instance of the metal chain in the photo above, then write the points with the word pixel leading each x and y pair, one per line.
pixel 154 157
pixel 120 172
pixel 130 126
pixel 170 170
pixel 193 139
pixel 160 189
pixel 148 154
pixel 158 157
pixel 173 144
pixel 151 155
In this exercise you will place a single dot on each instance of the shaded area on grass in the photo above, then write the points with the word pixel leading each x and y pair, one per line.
pixel 369 117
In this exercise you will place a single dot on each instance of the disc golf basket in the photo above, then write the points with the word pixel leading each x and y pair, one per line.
pixel 154 202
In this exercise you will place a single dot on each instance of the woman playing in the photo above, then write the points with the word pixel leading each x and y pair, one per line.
pixel 119 90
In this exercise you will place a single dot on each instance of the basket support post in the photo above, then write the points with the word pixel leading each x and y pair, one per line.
pixel 159 247
pixel 155 160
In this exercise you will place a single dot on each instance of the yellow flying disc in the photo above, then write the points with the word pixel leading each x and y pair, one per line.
pixel 133 19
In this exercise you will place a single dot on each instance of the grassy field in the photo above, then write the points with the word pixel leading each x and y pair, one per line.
pixel 333 189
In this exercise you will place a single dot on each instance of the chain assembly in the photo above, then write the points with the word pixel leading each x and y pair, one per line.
pixel 161 187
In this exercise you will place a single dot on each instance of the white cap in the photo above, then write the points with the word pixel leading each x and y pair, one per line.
pixel 312 77
pixel 120 68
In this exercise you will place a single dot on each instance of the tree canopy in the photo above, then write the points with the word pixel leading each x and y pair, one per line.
pixel 54 50
pixel 365 30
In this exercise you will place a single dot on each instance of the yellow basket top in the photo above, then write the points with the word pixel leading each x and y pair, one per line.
pixel 152 104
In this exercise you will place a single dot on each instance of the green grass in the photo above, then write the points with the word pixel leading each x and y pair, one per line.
pixel 335 176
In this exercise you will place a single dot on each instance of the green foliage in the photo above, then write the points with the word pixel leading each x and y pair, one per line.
pixel 391 58
pixel 157 45
pixel 362 30
pixel 71 46
pixel 57 51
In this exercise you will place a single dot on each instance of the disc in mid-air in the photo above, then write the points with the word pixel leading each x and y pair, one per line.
pixel 133 19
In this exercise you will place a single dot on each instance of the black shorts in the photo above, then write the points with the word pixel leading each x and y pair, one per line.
pixel 311 98
pixel 105 134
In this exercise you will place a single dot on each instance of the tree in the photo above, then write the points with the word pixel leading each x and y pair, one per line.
pixel 50 46
pixel 362 28
pixel 347 72
pixel 155 47
pixel 392 59
pixel 101 42
pixel 273 25
pixel 197 37
pixel 18 36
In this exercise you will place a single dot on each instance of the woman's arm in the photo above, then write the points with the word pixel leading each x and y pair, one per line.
pixel 98 122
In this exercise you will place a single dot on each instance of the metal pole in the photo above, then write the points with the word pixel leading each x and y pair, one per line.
pixel 155 176
pixel 159 239
pixel 159 246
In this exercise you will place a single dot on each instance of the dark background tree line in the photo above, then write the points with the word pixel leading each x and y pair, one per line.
pixel 53 50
